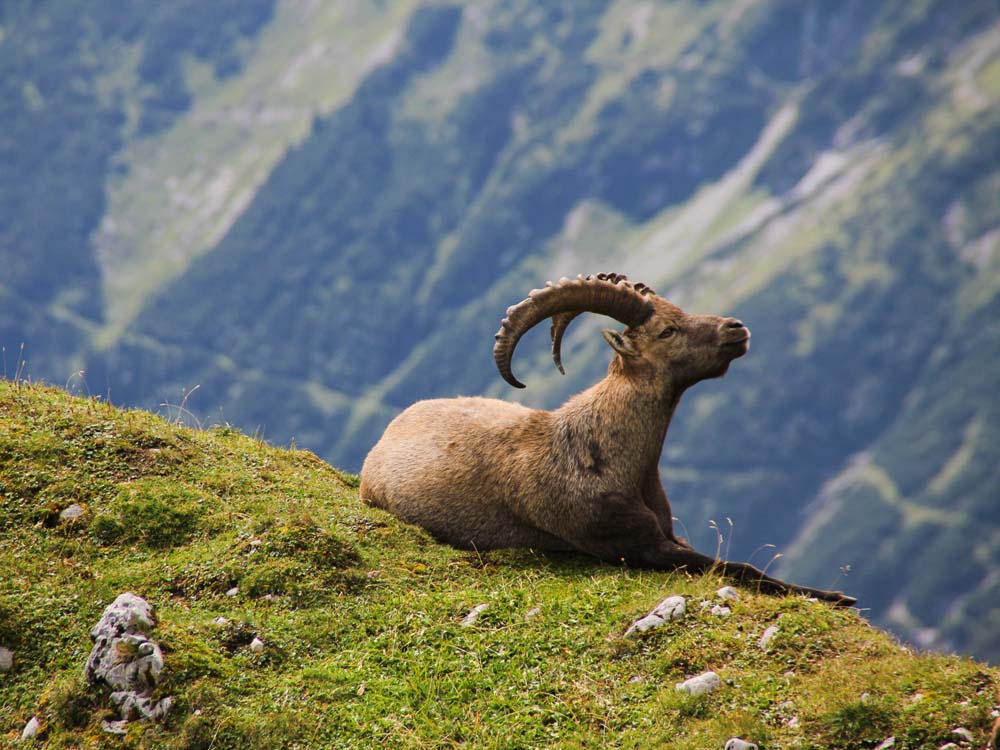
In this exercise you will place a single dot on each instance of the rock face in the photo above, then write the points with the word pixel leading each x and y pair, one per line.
pixel 127 661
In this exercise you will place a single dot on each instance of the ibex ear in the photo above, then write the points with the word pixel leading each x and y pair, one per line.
pixel 619 343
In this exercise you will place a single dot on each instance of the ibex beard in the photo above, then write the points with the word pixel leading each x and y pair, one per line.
pixel 485 474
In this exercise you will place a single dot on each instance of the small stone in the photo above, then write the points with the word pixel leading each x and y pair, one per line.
pixel 233 591
pixel 728 593
pixel 792 722
pixel 947 746
pixel 766 638
pixel 114 727
pixel 865 697
pixel 31 728
pixel 735 743
pixel 720 611
pixel 470 619
pixel 635 678
pixel 645 623
pixel 887 743
pixel 703 683
pixel 71 512
pixel 6 659
pixel 962 732
pixel 257 645
pixel 221 621
pixel 671 608
pixel 532 613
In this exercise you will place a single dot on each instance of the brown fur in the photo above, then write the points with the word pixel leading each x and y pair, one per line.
pixel 486 474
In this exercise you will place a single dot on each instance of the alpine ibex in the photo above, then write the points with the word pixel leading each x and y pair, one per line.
pixel 486 474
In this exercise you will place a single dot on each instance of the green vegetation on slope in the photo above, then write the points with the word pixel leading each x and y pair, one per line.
pixel 360 616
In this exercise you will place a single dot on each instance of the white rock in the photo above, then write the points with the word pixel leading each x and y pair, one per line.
pixel 71 512
pixel 6 659
pixel 703 683
pixel 792 722
pixel 532 613
pixel 735 743
pixel 947 746
pixel 962 732
pixel 114 727
pixel 233 591
pixel 720 611
pixel 728 593
pixel 257 645
pixel 769 633
pixel 645 623
pixel 221 621
pixel 671 608
pixel 887 743
pixel 31 728
pixel 474 613
pixel 126 660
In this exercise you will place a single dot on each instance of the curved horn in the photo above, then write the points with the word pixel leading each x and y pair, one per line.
pixel 604 294
pixel 561 321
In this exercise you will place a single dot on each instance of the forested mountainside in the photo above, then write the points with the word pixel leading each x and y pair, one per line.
pixel 317 214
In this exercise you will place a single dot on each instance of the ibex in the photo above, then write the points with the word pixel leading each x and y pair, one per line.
pixel 485 474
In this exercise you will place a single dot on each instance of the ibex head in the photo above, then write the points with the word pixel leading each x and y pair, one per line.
pixel 661 343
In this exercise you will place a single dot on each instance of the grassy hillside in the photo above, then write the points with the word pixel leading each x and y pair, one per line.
pixel 360 616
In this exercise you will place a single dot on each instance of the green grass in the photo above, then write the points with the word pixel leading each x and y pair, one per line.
pixel 361 616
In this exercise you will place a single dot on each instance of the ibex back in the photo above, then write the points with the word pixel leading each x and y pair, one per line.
pixel 486 474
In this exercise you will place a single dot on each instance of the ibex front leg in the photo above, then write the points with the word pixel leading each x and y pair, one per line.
pixel 628 530
pixel 747 575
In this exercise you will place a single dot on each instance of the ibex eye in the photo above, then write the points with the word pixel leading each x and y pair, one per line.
pixel 668 332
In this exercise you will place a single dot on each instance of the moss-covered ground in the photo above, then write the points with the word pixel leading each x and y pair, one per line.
pixel 361 617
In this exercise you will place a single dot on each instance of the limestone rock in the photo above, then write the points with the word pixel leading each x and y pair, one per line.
pixel 71 512
pixel 671 608
pixel 735 743
pixel 473 615
pixel 703 683
pixel 6 659
pixel 126 660
pixel 728 593
pixel 643 624
pixel 769 633
pixel 31 728
pixel 962 733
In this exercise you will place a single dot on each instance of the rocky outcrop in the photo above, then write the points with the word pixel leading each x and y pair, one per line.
pixel 126 660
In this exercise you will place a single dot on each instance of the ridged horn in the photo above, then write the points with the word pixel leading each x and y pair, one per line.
pixel 605 294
